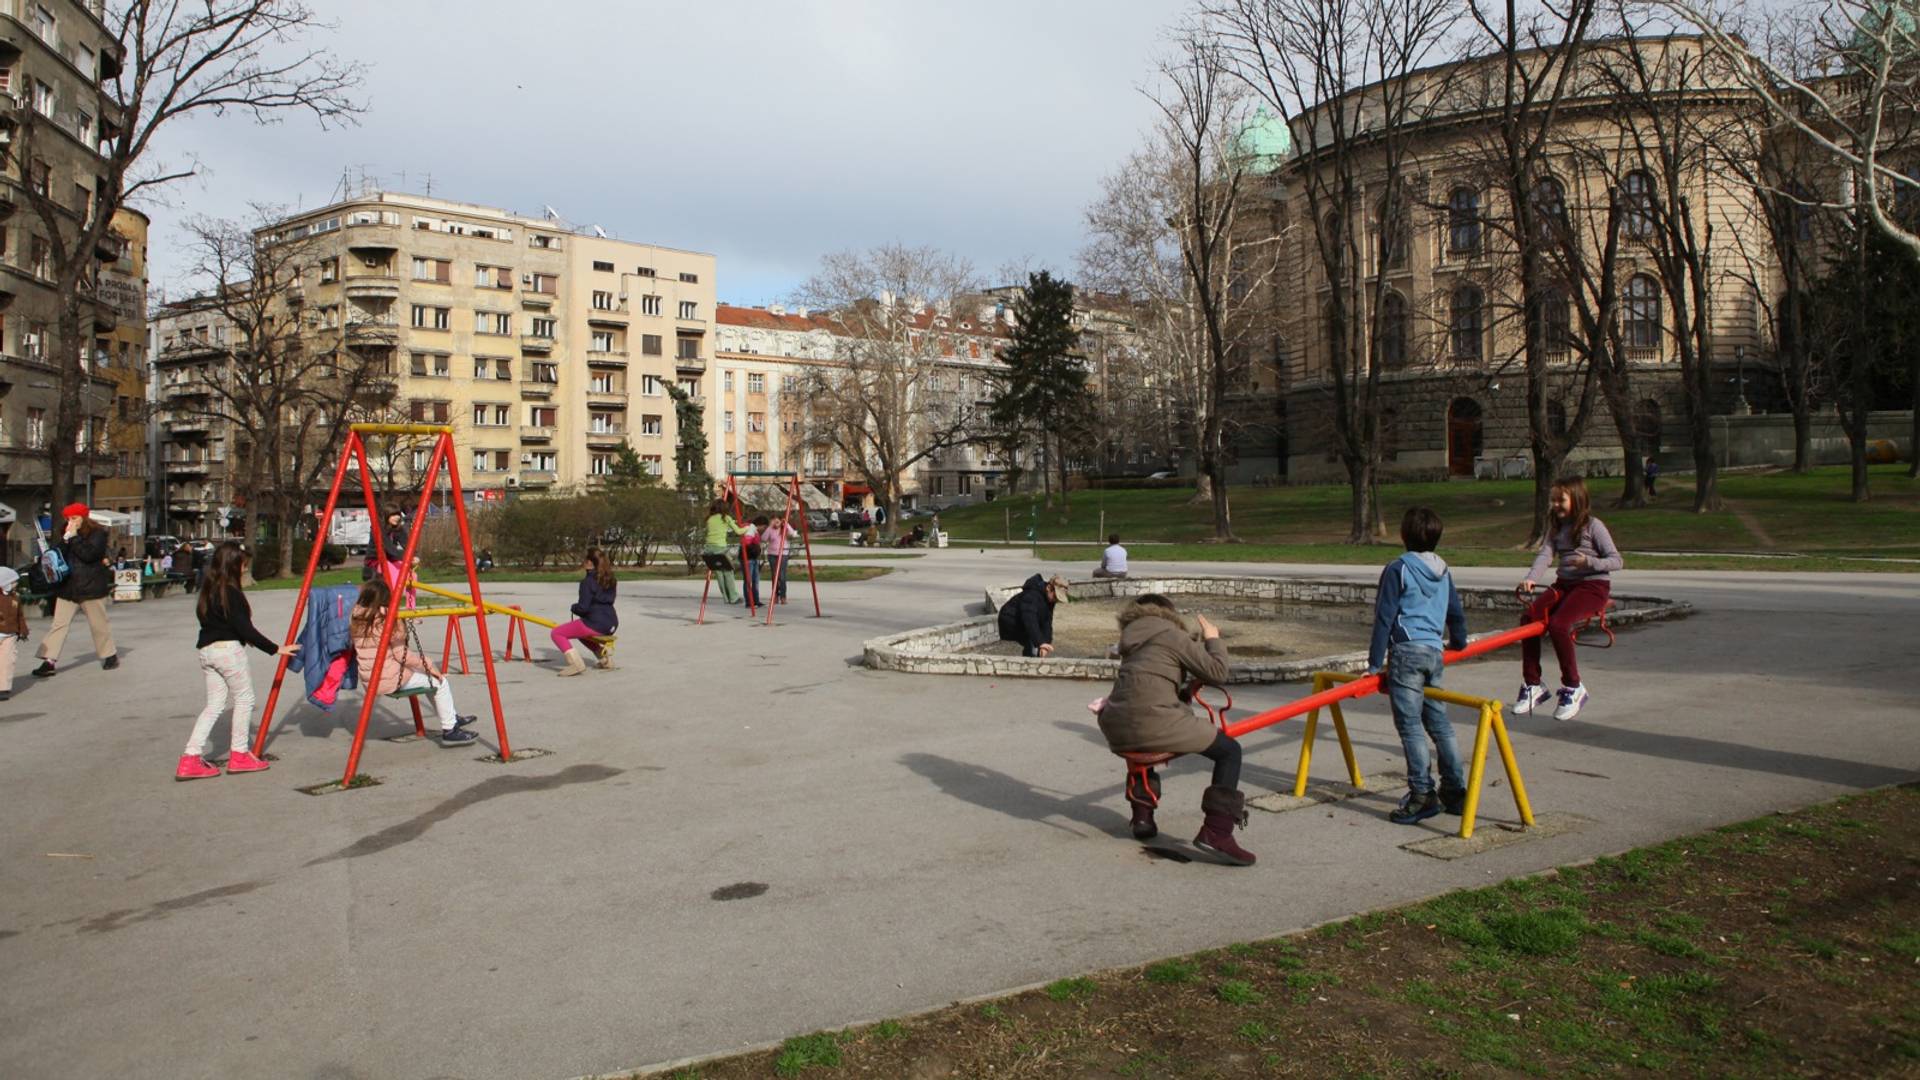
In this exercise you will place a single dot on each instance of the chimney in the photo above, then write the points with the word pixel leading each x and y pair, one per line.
pixel 776 309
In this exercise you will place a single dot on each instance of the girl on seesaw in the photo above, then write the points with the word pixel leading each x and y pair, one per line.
pixel 404 669
pixel 1582 552
pixel 593 615
pixel 226 629
pixel 1148 712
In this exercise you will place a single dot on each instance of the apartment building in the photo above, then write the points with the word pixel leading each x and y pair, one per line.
pixel 120 358
pixel 545 347
pixel 765 356
pixel 54 57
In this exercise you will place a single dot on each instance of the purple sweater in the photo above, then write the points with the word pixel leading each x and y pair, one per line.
pixel 1594 541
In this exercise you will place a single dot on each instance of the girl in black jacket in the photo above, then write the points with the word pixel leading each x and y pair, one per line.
pixel 593 615
pixel 85 589
pixel 226 629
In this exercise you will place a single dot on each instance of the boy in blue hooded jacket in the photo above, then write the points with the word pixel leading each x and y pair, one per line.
pixel 1415 604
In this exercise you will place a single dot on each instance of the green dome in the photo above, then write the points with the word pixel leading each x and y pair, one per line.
pixel 1899 15
pixel 1266 138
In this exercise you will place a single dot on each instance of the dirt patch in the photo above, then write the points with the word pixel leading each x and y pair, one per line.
pixel 1785 946
pixel 1252 629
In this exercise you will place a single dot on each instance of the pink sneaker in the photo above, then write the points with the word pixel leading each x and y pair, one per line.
pixel 242 761
pixel 194 767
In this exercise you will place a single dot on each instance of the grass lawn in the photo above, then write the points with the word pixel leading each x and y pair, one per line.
pixel 1784 946
pixel 1767 513
pixel 659 570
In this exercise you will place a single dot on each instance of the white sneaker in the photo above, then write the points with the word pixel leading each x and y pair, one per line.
pixel 1571 698
pixel 1531 694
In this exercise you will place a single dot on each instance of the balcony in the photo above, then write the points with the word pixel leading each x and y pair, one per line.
pixel 607 396
pixel 110 246
pixel 360 332
pixel 530 298
pixel 193 464
pixel 178 423
pixel 538 391
pixel 373 236
pixel 372 286
pixel 614 358
pixel 694 364
pixel 541 343
pixel 195 387
pixel 189 348
pixel 531 433
pixel 188 506
pixel 613 316
pixel 607 433
pixel 536 478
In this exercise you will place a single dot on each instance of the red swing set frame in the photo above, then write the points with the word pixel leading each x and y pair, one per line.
pixel 730 493
pixel 355 452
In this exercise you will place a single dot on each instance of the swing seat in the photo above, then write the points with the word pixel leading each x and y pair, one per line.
pixel 411 691
pixel 1140 761
pixel 1596 624
pixel 604 644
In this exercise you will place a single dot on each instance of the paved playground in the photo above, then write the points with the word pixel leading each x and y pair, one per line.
pixel 741 835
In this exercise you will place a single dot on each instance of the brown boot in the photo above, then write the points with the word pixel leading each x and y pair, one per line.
pixel 1224 808
pixel 1143 803
pixel 574 666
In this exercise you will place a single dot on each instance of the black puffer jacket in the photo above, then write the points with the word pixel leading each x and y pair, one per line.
pixel 88 577
pixel 1028 618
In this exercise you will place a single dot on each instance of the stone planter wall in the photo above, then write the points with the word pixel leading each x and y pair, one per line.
pixel 941 650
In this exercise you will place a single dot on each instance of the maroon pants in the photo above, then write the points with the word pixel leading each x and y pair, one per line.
pixel 1565 607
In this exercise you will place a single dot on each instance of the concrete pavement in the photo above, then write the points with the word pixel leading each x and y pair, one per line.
pixel 919 838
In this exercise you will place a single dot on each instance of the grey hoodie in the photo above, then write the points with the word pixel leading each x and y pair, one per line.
pixel 1415 603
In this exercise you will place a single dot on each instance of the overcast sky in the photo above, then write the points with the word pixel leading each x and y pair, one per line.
pixel 766 133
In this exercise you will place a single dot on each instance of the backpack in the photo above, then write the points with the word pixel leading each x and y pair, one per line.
pixel 52 564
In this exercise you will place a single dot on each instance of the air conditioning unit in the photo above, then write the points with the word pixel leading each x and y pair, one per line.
pixel 526 279
pixel 513 481
pixel 526 459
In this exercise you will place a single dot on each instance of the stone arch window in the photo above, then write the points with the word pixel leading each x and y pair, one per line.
pixel 1549 200
pixel 1552 322
pixel 1466 323
pixel 1394 325
pixel 1640 323
pixel 1636 194
pixel 1396 232
pixel 1463 221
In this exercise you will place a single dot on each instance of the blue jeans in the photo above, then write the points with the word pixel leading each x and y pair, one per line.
pixel 1410 670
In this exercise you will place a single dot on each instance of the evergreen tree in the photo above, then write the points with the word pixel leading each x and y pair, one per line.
pixel 628 470
pixel 690 455
pixel 1044 389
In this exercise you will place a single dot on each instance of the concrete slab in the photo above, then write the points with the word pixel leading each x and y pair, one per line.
pixel 1487 836
pixel 920 838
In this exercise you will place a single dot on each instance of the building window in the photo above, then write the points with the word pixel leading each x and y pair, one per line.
pixel 542 327
pixel 1393 331
pixel 432 318
pixel 1636 192
pixel 546 373
pixel 1641 323
pixel 329 270
pixel 602 341
pixel 691 279
pixel 600 464
pixel 543 241
pixel 1463 221
pixel 602 266
pixel 756 422
pixel 1554 326
pixel 602 300
pixel 542 416
pixel 650 463
pixel 1550 209
pixel 726 381
pixel 1466 326
pixel 726 421
pixel 689 309
pixel 1557 417
pixel 756 383
pixel 492 322
pixel 689 349
pixel 650 304
pixel 423 412
pixel 44 102
pixel 600 384
pixel 543 461
pixel 643 271
pixel 435 270
pixel 36 429
pixel 1396 233
pixel 432 365
pixel 649 344
pixel 964 483
pixel 756 461
pixel 650 385
pixel 545 284
pixel 492 277
pixel 651 425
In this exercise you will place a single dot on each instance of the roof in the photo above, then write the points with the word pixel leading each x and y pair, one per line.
pixel 762 319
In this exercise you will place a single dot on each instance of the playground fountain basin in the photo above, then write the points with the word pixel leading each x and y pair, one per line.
pixel 1276 629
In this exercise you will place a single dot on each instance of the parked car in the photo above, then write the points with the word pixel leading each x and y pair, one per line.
pixel 1163 474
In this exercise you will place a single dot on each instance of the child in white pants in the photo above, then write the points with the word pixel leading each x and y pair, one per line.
pixel 226 629
pixel 402 668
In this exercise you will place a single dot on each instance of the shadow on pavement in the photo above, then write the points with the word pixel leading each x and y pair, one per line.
pixel 395 835
pixel 1014 797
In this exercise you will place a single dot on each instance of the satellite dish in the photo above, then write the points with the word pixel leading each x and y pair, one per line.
pixel 599 232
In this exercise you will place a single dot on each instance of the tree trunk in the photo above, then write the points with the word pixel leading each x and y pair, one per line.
pixel 1803 434
pixel 67 351
pixel 1635 470
pixel 1706 470
pixel 1856 421
pixel 1202 488
pixel 1546 469
pixel 1060 456
pixel 1913 437
pixel 1046 471
pixel 1360 490
pixel 1222 514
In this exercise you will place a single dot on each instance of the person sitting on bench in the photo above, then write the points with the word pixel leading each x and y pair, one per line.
pixel 1113 561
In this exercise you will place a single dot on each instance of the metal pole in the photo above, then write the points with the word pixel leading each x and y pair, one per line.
pixel 473 582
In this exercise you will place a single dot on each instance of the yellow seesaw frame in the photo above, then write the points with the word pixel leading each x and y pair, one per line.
pixel 1491 723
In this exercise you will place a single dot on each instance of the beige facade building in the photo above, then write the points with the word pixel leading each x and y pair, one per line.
pixel 764 358
pixel 54 56
pixel 120 358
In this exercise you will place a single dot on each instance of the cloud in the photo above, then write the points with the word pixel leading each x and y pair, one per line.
pixel 766 133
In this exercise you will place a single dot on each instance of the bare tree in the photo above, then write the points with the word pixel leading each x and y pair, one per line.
pixel 1345 69
pixel 1850 89
pixel 1177 229
pixel 879 403
pixel 171 60
pixel 284 384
